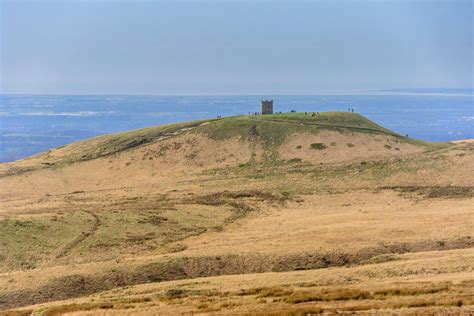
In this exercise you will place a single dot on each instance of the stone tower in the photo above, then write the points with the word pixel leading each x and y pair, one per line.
pixel 267 106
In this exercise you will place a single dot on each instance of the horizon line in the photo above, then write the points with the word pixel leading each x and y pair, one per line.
pixel 379 92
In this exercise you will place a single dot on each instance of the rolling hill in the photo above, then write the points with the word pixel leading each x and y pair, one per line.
pixel 276 214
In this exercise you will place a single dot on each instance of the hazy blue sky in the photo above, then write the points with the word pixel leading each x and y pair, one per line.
pixel 234 47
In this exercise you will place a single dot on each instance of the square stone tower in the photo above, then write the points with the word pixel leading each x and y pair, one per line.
pixel 267 106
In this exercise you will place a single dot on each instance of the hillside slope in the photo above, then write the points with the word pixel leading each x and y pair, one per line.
pixel 239 195
pixel 268 130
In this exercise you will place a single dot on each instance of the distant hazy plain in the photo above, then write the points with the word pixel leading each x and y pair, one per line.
pixel 34 123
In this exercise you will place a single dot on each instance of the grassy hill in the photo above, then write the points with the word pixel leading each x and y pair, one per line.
pixel 271 130
pixel 280 214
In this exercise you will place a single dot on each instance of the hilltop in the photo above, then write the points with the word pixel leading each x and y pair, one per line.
pixel 266 133
pixel 376 219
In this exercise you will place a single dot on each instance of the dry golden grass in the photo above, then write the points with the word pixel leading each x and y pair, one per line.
pixel 344 228
pixel 336 147
pixel 399 285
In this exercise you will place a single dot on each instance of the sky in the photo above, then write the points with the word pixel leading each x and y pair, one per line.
pixel 233 47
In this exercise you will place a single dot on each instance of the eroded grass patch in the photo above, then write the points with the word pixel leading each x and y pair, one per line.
pixel 435 192
pixel 318 146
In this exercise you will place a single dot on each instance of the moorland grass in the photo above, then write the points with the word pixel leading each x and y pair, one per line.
pixel 270 130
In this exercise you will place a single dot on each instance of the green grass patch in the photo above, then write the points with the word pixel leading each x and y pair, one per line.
pixel 24 244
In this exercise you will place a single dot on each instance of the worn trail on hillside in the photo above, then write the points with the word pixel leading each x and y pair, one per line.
pixel 82 236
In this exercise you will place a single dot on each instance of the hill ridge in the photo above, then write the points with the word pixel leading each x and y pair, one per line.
pixel 217 129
